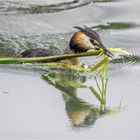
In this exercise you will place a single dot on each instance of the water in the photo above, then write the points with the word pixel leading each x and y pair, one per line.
pixel 33 106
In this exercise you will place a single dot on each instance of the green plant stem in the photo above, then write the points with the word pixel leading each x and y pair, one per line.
pixel 99 64
pixel 101 69
pixel 46 59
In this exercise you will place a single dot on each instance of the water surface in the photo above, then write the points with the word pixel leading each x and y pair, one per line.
pixel 33 101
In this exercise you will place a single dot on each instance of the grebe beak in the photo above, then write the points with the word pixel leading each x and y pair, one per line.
pixel 95 39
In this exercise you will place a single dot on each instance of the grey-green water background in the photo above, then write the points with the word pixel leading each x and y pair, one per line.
pixel 32 108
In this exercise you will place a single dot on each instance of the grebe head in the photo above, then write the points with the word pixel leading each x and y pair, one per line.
pixel 86 39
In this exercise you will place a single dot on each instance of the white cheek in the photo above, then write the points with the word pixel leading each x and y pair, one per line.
pixel 87 42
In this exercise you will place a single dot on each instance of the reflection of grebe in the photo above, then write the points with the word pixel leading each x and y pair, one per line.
pixel 80 113
pixel 82 41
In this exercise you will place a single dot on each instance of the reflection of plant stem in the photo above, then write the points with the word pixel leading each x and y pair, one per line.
pixel 101 93
pixel 103 90
pixel 106 86
pixel 97 95
pixel 103 74
pixel 97 84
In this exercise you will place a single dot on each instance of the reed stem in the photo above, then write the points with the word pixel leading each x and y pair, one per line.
pixel 11 60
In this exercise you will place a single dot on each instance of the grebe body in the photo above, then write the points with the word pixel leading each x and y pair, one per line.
pixel 82 41
pixel 38 52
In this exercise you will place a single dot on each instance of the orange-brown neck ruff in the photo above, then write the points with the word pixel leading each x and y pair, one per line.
pixel 80 42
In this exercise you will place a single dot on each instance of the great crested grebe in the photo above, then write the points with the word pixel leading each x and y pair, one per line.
pixel 82 41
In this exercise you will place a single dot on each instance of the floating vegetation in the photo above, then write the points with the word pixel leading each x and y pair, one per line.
pixel 69 78
pixel 97 1
pixel 127 59
pixel 116 26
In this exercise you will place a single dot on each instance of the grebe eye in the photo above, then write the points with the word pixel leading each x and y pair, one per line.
pixel 92 41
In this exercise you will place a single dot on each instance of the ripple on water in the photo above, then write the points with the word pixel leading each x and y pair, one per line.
pixel 11 46
pixel 33 108
pixel 37 7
